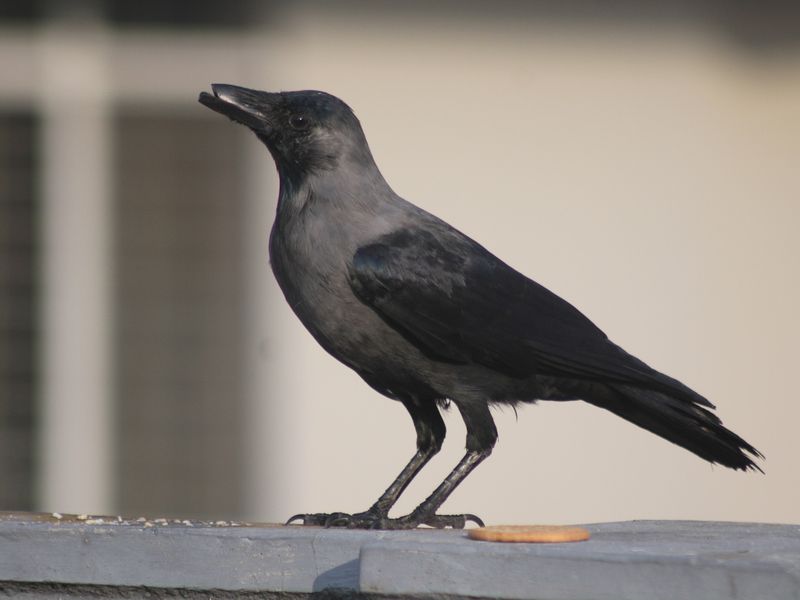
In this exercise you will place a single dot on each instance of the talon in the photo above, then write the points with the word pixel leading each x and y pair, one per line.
pixel 316 519
pixel 475 519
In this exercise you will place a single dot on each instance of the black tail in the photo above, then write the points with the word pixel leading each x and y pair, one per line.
pixel 682 422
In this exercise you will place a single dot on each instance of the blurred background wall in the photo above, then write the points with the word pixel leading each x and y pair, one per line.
pixel 640 159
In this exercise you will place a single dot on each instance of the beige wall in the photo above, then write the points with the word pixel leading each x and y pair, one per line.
pixel 648 176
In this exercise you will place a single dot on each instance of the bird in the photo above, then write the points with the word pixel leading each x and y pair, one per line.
pixel 430 318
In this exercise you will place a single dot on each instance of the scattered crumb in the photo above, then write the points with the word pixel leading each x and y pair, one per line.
pixel 147 522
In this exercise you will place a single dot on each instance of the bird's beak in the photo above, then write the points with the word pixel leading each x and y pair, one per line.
pixel 249 107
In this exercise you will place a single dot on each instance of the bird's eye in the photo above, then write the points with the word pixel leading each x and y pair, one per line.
pixel 299 122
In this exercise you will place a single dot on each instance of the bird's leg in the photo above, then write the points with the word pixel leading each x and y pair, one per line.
pixel 389 497
pixel 425 513
pixel 430 435
pixel 481 437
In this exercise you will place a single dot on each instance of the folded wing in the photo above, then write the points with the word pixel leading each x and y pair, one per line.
pixel 460 304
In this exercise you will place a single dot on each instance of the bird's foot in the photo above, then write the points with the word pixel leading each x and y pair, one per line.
pixel 374 520
pixel 364 520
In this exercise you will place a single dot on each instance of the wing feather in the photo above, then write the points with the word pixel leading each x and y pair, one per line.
pixel 460 304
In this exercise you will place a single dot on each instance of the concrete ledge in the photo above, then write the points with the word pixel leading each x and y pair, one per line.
pixel 634 560
pixel 46 555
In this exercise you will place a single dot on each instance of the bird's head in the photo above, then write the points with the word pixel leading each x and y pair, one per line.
pixel 305 131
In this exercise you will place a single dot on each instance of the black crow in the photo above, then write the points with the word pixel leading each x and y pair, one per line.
pixel 426 316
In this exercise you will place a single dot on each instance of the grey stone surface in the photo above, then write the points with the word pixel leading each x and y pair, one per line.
pixel 170 553
pixel 644 559
pixel 633 560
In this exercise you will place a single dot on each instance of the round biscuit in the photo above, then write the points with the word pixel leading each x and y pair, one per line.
pixel 536 534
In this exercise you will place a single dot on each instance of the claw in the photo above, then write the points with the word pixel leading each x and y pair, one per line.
pixel 317 519
pixel 298 517
pixel 475 519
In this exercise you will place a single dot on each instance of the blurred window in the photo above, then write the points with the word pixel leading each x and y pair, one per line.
pixel 18 314
pixel 179 279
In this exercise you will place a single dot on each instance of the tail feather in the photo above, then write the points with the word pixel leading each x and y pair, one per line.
pixel 682 422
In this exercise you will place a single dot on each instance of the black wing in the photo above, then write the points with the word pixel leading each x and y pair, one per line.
pixel 460 304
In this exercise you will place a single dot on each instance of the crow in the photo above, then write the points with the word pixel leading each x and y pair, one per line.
pixel 429 317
